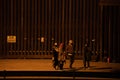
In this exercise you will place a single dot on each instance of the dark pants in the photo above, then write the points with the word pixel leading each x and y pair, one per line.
pixel 55 63
pixel 86 63
pixel 61 63
pixel 71 61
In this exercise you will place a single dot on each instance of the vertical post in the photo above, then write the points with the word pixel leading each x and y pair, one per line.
pixel 28 26
pixel 22 26
pixel 36 18
pixel 11 24
pixel 101 14
pixel 80 29
pixel 84 16
pixel 70 22
pixel 39 25
pixel 109 36
pixel 25 26
pixel 63 20
pixel 1 22
pixel 43 23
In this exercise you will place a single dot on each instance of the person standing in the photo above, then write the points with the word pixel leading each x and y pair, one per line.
pixel 55 55
pixel 61 56
pixel 70 52
pixel 87 56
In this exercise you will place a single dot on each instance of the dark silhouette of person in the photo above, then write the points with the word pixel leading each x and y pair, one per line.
pixel 70 52
pixel 87 56
pixel 55 55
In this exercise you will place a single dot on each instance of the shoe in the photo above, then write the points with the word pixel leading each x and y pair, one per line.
pixel 71 67
pixel 57 67
pixel 54 67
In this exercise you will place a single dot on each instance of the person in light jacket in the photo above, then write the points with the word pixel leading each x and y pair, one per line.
pixel 61 56
pixel 70 52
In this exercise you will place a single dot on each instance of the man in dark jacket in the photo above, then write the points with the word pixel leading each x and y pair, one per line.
pixel 55 56
pixel 87 56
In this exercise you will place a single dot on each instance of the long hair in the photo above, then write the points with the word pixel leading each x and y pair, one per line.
pixel 61 46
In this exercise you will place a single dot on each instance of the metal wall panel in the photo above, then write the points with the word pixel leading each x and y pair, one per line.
pixel 58 21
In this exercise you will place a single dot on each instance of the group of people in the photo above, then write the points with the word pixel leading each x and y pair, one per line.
pixel 61 52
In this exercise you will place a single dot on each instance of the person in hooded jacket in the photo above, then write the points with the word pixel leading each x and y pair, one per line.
pixel 87 56
pixel 61 56
pixel 55 55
